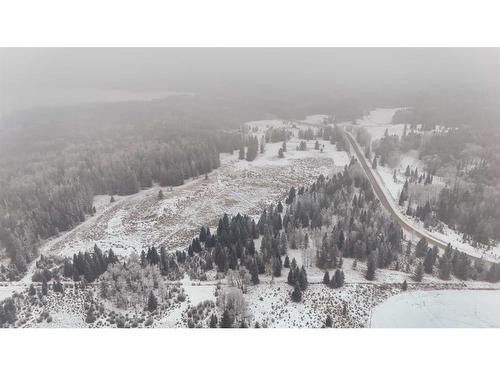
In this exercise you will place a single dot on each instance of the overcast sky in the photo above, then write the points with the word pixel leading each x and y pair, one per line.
pixel 39 77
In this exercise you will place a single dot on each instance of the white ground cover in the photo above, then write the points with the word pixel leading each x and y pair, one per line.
pixel 376 122
pixel 134 222
pixel 439 309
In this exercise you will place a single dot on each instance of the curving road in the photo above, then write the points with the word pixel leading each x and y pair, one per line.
pixel 387 201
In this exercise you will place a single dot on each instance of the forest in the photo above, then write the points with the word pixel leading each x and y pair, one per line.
pixel 466 159
pixel 47 186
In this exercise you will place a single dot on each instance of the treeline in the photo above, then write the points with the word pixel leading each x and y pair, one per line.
pixel 470 202
pixel 273 135
pixel 452 262
pixel 55 193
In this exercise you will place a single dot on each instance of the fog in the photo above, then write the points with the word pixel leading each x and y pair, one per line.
pixel 52 77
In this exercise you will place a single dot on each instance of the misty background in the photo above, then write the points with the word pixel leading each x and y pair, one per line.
pixel 287 82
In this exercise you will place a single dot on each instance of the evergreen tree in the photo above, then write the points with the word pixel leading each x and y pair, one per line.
pixel 404 286
pixel 326 278
pixel 160 195
pixel 296 294
pixel 419 272
pixel 226 321
pixel 44 287
pixel 444 267
pixel 279 207
pixel 421 248
pixel 90 316
pixel 213 321
pixel 291 277
pixel 152 302
pixel 328 321
pixel 338 278
pixel 370 268
pixel 430 259
pixel 286 264
pixel 302 278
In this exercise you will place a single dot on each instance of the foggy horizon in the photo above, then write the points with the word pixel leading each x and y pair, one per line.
pixel 51 77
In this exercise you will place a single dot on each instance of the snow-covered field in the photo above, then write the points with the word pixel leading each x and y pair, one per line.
pixel 134 222
pixel 439 309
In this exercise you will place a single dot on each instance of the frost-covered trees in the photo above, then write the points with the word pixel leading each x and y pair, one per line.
pixel 130 284
pixel 232 299
pixel 419 272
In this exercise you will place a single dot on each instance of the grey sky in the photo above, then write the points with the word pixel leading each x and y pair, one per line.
pixel 38 77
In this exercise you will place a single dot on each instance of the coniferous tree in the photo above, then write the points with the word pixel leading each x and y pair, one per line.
pixel 44 287
pixel 430 259
pixel 296 294
pixel 90 316
pixel 370 269
pixel 419 272
pixel 227 320
pixel 279 207
pixel 286 263
pixel 338 278
pixel 302 278
pixel 444 267
pixel 152 302
pixel 404 286
pixel 328 321
pixel 213 321
pixel 160 195
pixel 421 248
pixel 326 278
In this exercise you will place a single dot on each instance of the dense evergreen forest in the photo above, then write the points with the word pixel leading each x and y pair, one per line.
pixel 48 181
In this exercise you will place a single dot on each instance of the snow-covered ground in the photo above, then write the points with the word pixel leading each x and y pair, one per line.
pixel 439 309
pixel 376 122
pixel 134 222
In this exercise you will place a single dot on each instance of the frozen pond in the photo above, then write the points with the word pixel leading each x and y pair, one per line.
pixel 439 309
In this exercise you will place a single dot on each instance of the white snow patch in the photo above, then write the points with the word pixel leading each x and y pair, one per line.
pixel 439 309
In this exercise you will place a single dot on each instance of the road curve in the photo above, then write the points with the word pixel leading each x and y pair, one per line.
pixel 386 201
